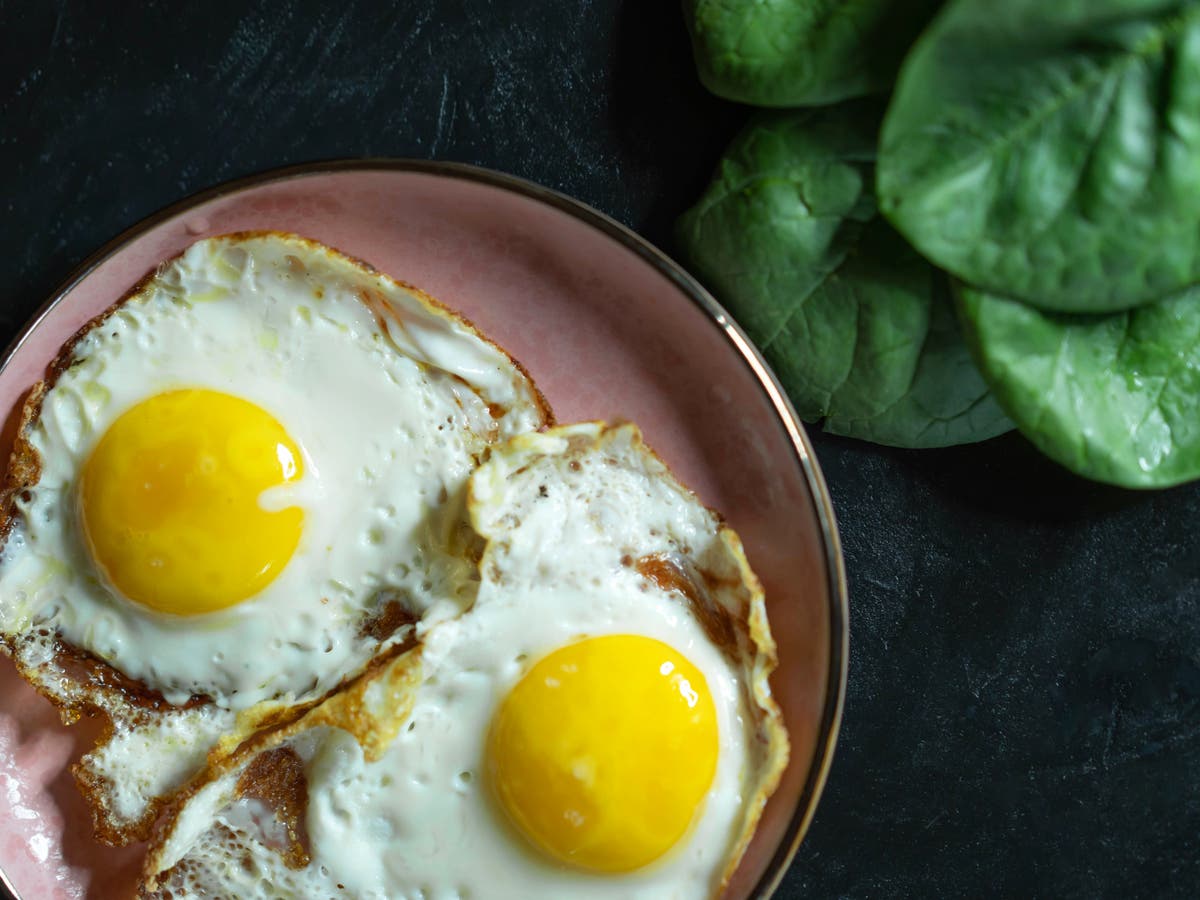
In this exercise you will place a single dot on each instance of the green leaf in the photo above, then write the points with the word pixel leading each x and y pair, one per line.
pixel 1050 149
pixel 859 328
pixel 801 52
pixel 1113 397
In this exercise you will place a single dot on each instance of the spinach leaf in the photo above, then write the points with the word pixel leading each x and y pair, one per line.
pixel 1113 397
pixel 1050 149
pixel 801 52
pixel 860 328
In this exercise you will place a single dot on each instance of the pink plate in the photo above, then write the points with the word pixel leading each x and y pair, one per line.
pixel 608 327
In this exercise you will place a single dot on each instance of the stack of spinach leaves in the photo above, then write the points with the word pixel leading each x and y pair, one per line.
pixel 1012 238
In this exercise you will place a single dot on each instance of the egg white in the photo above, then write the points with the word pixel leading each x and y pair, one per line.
pixel 567 515
pixel 389 402
pixel 423 819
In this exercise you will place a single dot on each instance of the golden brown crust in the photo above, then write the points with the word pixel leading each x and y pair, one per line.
pixel 96 789
pixel 771 731
pixel 25 465
pixel 391 618
pixel 84 667
pixel 276 778
pixel 669 575
pixel 393 676
pixel 102 703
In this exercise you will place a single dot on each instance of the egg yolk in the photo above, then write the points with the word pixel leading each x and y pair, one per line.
pixel 603 752
pixel 172 501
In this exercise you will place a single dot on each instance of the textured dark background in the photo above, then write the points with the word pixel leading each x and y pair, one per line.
pixel 1024 704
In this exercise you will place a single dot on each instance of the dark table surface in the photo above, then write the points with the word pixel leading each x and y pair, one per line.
pixel 1023 715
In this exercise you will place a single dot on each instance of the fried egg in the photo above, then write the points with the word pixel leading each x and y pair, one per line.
pixel 236 487
pixel 598 724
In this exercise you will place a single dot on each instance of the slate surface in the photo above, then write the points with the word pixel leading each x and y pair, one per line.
pixel 1024 703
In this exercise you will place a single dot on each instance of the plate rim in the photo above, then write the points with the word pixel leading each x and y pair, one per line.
pixel 839 610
